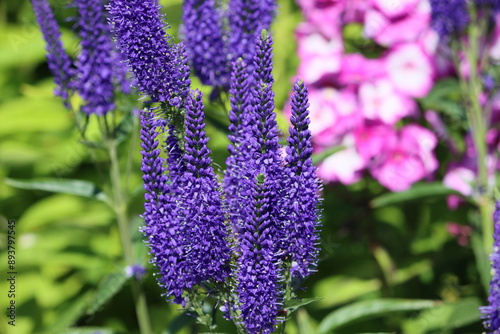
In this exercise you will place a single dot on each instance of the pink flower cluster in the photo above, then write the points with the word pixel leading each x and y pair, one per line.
pixel 359 102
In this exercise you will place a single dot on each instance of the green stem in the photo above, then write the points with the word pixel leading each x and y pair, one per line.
pixel 120 207
pixel 479 125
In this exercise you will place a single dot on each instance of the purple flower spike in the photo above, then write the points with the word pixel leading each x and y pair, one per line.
pixel 139 29
pixel 449 17
pixel 204 36
pixel 491 313
pixel 264 127
pixel 96 61
pixel 259 294
pixel 240 167
pixel 300 215
pixel 200 213
pixel 58 60
pixel 246 20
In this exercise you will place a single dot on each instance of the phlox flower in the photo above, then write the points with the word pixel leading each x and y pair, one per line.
pixel 409 160
pixel 321 57
pixel 380 101
pixel 356 69
pixel 325 15
pixel 410 70
pixel 389 31
pixel 345 166
pixel 393 9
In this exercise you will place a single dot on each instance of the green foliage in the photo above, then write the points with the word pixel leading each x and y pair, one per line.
pixel 369 308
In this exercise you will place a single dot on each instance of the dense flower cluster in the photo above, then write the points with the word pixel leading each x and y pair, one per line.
pixel 264 215
pixel 217 36
pixel 449 17
pixel 356 101
pixel 98 70
pixel 365 102
pixel 96 60
pixel 491 313
pixel 148 50
pixel 59 61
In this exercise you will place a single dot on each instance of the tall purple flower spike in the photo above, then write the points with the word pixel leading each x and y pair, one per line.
pixel 246 20
pixel 200 212
pixel 238 176
pixel 204 38
pixel 449 17
pixel 139 29
pixel 184 219
pixel 491 313
pixel 252 186
pixel 58 60
pixel 259 294
pixel 300 203
pixel 96 62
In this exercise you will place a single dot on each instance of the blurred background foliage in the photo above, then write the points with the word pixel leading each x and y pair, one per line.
pixel 376 247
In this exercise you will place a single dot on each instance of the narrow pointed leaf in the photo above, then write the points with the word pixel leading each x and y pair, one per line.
pixel 62 186
pixel 418 191
pixel 370 308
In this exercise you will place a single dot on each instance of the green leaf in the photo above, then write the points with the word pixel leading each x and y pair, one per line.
pixel 369 308
pixel 88 330
pixel 109 287
pixel 320 157
pixel 293 305
pixel 71 313
pixel 63 186
pixel 445 317
pixel 418 191
pixel 178 323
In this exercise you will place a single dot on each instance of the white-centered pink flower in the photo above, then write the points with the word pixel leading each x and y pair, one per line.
pixel 410 70
pixel 380 101
pixel 395 8
pixel 390 31
pixel 333 113
pixel 325 15
pixel 356 69
pixel 409 160
pixel 344 166
pixel 319 56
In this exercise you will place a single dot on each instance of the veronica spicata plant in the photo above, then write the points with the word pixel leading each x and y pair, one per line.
pixel 242 242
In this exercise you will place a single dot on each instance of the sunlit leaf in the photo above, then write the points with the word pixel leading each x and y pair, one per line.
pixel 108 288
pixel 421 190
pixel 445 317
pixel 63 186
pixel 369 308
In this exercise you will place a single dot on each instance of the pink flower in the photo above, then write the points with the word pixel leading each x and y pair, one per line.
pixel 333 113
pixel 495 47
pixel 410 160
pixel 410 70
pixel 388 32
pixel 460 178
pixel 461 232
pixel 356 69
pixel 372 140
pixel 324 15
pixel 319 56
pixel 391 8
pixel 355 10
pixel 379 101
pixel 344 166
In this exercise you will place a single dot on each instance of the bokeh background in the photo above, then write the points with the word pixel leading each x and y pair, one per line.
pixel 374 246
